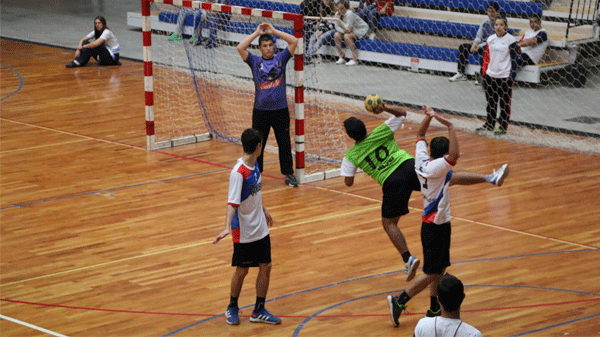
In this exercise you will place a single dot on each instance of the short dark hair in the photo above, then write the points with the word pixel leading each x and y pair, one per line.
pixel 450 292
pixel 355 128
pixel 439 146
pixel 535 16
pixel 265 38
pixel 494 5
pixel 250 140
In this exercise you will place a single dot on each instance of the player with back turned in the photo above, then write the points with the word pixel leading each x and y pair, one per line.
pixel 435 173
pixel 248 220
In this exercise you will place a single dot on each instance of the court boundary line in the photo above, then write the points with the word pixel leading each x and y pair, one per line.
pixel 31 326
pixel 21 81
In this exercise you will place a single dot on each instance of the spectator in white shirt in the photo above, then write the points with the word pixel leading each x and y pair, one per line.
pixel 104 47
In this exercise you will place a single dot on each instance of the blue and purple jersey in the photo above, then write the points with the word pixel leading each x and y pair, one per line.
pixel 269 80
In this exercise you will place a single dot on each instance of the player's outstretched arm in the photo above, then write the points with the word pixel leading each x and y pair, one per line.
pixel 228 219
pixel 242 47
pixel 453 151
pixel 397 111
pixel 429 113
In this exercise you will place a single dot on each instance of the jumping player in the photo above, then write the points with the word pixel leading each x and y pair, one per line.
pixel 435 175
pixel 378 155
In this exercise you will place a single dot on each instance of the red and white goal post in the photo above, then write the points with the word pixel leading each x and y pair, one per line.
pixel 194 92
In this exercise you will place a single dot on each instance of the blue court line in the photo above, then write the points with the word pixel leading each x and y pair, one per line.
pixel 556 325
pixel 21 82
pixel 113 189
pixel 396 272
pixel 309 318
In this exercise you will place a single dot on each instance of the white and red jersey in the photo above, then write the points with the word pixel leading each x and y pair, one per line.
pixel 500 57
pixel 249 223
pixel 434 176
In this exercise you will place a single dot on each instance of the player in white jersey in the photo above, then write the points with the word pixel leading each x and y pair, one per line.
pixel 451 293
pixel 533 43
pixel 248 222
pixel 436 175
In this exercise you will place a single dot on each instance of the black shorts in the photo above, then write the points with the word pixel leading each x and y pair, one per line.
pixel 251 254
pixel 436 247
pixel 397 189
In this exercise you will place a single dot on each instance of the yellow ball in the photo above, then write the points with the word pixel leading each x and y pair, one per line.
pixel 372 102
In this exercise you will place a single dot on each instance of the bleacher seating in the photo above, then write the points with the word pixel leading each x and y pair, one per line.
pixel 457 29
pixel 506 6
pixel 379 49
pixel 270 5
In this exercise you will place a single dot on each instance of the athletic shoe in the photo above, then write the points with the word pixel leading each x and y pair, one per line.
pixel 395 309
pixel 433 313
pixel 232 316
pixel 411 268
pixel 174 37
pixel 290 180
pixel 485 127
pixel 499 176
pixel 478 79
pixel 351 63
pixel 500 132
pixel 458 77
pixel 372 36
pixel 264 316
pixel 72 64
pixel 340 61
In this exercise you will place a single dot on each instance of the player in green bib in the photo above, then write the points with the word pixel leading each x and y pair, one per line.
pixel 378 155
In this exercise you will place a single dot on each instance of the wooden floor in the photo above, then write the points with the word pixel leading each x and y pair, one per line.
pixel 100 237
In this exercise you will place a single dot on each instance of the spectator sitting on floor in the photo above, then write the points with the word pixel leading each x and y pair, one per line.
pixel 105 47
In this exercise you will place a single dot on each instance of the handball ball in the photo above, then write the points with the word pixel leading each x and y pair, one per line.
pixel 372 102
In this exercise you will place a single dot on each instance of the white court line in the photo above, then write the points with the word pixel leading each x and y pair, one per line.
pixel 32 326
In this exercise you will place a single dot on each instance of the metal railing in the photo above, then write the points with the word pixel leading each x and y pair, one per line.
pixel 582 12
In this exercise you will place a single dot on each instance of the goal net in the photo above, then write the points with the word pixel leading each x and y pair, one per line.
pixel 202 89
pixel 202 86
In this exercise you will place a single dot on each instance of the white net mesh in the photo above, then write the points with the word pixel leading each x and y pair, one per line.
pixel 408 61
pixel 202 85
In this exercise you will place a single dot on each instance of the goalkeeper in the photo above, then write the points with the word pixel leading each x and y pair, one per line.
pixel 270 99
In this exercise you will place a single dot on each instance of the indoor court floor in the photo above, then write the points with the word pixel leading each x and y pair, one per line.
pixel 100 237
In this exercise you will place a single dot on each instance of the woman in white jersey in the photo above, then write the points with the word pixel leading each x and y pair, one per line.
pixel 499 71
pixel 104 47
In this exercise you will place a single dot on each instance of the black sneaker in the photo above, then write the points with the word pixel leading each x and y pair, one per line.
pixel 500 132
pixel 290 180
pixel 72 64
pixel 395 309
pixel 485 127
pixel 433 313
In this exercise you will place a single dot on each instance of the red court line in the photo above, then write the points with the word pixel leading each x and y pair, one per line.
pixel 299 317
